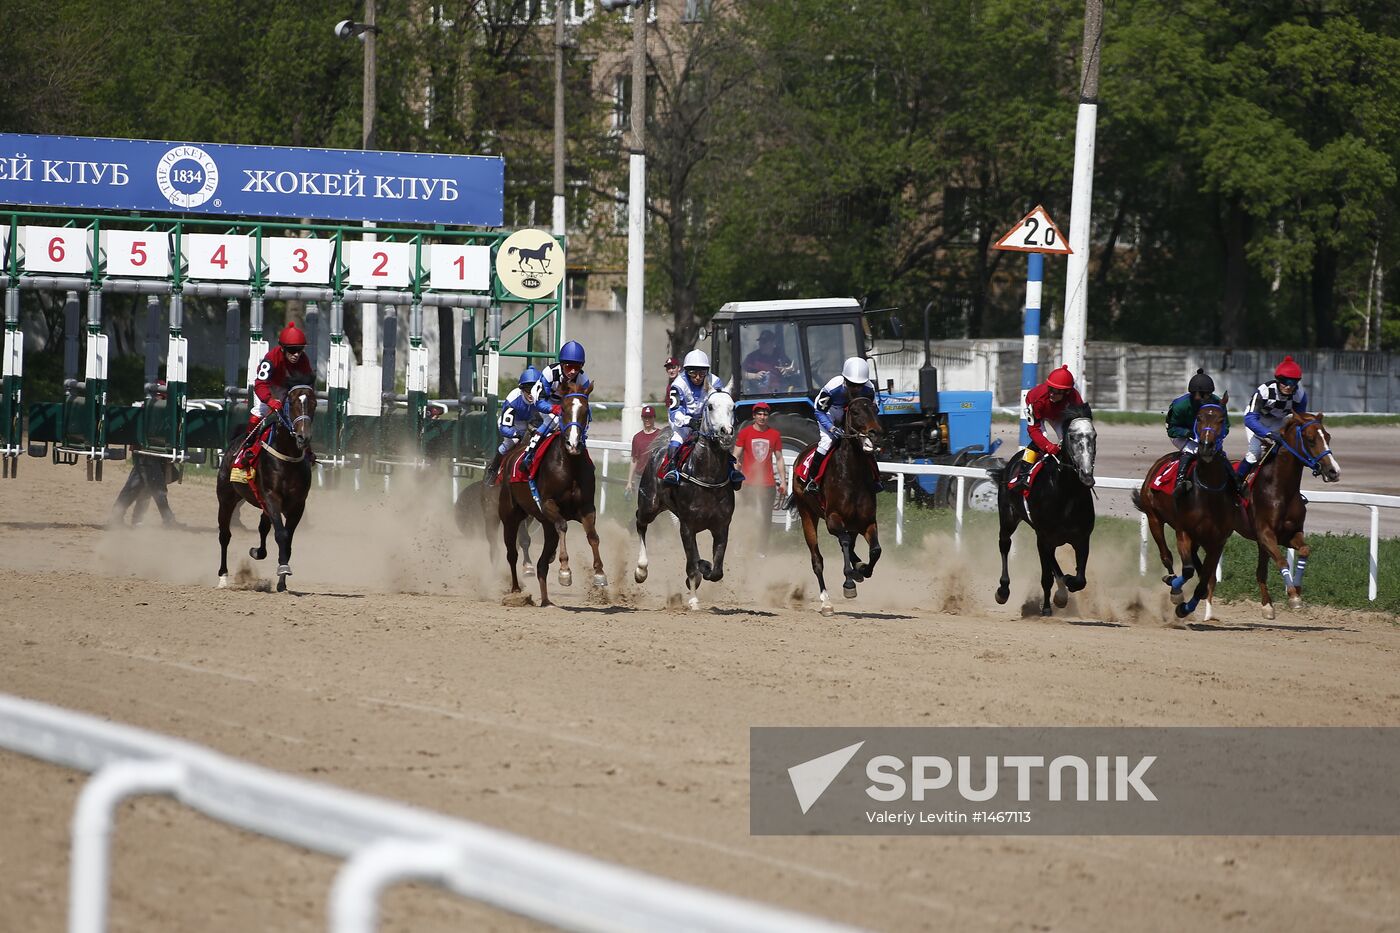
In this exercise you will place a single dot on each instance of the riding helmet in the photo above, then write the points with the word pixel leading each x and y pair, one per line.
pixel 1288 369
pixel 571 352
pixel 530 376
pixel 292 336
pixel 697 359
pixel 1061 378
pixel 1200 383
pixel 856 370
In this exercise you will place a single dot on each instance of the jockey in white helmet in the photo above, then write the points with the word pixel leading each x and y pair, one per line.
pixel 685 402
pixel 853 383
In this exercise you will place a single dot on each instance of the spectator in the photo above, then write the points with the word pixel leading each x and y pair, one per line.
pixel 641 446
pixel 673 369
pixel 766 368
pixel 760 450
pixel 147 481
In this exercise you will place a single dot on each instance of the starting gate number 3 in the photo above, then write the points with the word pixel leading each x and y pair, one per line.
pixel 298 260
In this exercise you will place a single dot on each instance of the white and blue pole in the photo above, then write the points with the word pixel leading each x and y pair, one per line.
pixel 1030 351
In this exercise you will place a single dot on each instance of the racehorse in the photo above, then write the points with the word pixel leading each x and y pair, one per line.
pixel 279 484
pixel 1276 509
pixel 704 501
pixel 1059 506
pixel 565 483
pixel 846 499
pixel 1204 517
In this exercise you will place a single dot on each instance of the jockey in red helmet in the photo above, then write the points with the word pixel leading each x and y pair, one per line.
pixel 1045 407
pixel 1269 408
pixel 285 365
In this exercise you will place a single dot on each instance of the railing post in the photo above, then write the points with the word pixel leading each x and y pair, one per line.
pixel 1375 550
pixel 364 877
pixel 899 508
pixel 1142 546
pixel 958 512
pixel 603 494
pixel 92 832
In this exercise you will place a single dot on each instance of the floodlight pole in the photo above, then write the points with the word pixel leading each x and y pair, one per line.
pixel 1081 199
pixel 636 229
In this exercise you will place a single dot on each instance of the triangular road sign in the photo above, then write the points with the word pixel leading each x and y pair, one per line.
pixel 1035 233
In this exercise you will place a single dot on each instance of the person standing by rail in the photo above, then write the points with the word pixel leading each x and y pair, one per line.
pixel 759 449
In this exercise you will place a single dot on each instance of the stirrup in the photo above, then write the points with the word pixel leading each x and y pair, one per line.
pixel 672 477
pixel 736 477
pixel 813 487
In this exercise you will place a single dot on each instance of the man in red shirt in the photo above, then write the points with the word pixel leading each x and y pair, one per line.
pixel 285 365
pixel 759 449
pixel 641 445
pixel 1045 407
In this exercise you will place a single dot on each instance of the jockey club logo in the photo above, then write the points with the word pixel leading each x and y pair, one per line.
pixel 187 176
pixel 530 263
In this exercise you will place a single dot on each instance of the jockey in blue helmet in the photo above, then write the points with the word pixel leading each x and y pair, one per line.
pixel 569 369
pixel 520 410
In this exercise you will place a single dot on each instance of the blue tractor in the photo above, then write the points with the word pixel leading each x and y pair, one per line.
pixel 782 352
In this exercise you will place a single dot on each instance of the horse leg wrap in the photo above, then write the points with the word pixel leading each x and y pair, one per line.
pixel 1287 577
pixel 1177 583
pixel 1298 568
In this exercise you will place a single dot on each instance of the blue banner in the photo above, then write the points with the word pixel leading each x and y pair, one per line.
pixel 251 181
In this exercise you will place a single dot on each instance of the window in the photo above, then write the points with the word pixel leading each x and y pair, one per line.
pixel 696 11
pixel 651 13
pixel 722 356
pixel 619 211
pixel 576 291
pixel 619 298
pixel 771 363
pixel 828 346
pixel 622 101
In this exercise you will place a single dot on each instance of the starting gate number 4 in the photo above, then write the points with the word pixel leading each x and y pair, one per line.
pixel 222 257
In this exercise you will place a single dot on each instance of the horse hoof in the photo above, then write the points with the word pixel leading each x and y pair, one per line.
pixel 1210 613
pixel 1045 611
pixel 284 570
pixel 257 553
pixel 693 603
pixel 1075 584
pixel 566 578
pixel 600 579
pixel 640 575
pixel 1295 602
pixel 1182 610
pixel 828 610
pixel 281 584
pixel 849 591
pixel 223 581
pixel 528 570
pixel 1061 598
pixel 1003 594
pixel 1177 597
pixel 704 567
pixel 1268 610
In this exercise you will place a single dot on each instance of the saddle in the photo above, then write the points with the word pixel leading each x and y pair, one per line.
pixel 682 455
pixel 241 469
pixel 1021 480
pixel 518 476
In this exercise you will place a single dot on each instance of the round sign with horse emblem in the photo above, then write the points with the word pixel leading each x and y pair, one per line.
pixel 530 264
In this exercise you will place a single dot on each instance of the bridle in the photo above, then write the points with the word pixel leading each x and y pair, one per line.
pixel 581 425
pixel 1313 463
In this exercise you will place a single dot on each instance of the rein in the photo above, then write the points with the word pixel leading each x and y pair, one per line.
pixel 1218 445
pixel 1313 463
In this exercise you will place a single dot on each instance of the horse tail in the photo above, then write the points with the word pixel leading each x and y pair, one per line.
pixel 1137 501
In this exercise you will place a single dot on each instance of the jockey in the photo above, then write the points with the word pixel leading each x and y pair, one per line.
pixel 1045 408
pixel 569 369
pixel 686 403
pixel 1269 408
pixel 521 409
pixel 831 403
pixel 285 365
pixel 1181 422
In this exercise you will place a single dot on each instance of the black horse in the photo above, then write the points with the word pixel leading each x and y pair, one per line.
pixel 1060 508
pixel 704 501
pixel 280 483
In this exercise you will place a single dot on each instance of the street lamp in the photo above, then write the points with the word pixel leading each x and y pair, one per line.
pixel 636 220
pixel 369 375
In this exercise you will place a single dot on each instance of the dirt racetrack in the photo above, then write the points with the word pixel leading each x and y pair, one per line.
pixel 618 727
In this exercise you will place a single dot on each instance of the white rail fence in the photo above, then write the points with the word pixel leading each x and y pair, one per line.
pixel 961 476
pixel 382 842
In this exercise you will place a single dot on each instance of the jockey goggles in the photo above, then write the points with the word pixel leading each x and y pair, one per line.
pixel 294 349
pixel 1288 381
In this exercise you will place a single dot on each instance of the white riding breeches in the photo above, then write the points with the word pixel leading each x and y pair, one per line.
pixel 259 408
pixel 1187 444
pixel 824 443
pixel 679 434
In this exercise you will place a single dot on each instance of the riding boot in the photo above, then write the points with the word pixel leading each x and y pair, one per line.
pixel 736 475
pixel 813 471
pixel 1183 482
pixel 672 476
pixel 493 467
pixel 529 455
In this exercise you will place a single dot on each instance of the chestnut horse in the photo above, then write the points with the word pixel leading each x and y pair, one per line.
pixel 1277 509
pixel 565 484
pixel 846 500
pixel 282 474
pixel 1204 516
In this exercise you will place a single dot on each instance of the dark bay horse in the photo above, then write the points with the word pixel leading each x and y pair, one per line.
pixel 846 500
pixel 282 475
pixel 1060 508
pixel 478 515
pixel 566 483
pixel 1277 510
pixel 704 501
pixel 1203 516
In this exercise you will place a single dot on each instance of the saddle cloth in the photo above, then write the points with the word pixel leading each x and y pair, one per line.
pixel 1165 480
pixel 682 455
pixel 516 476
pixel 804 465
pixel 241 470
